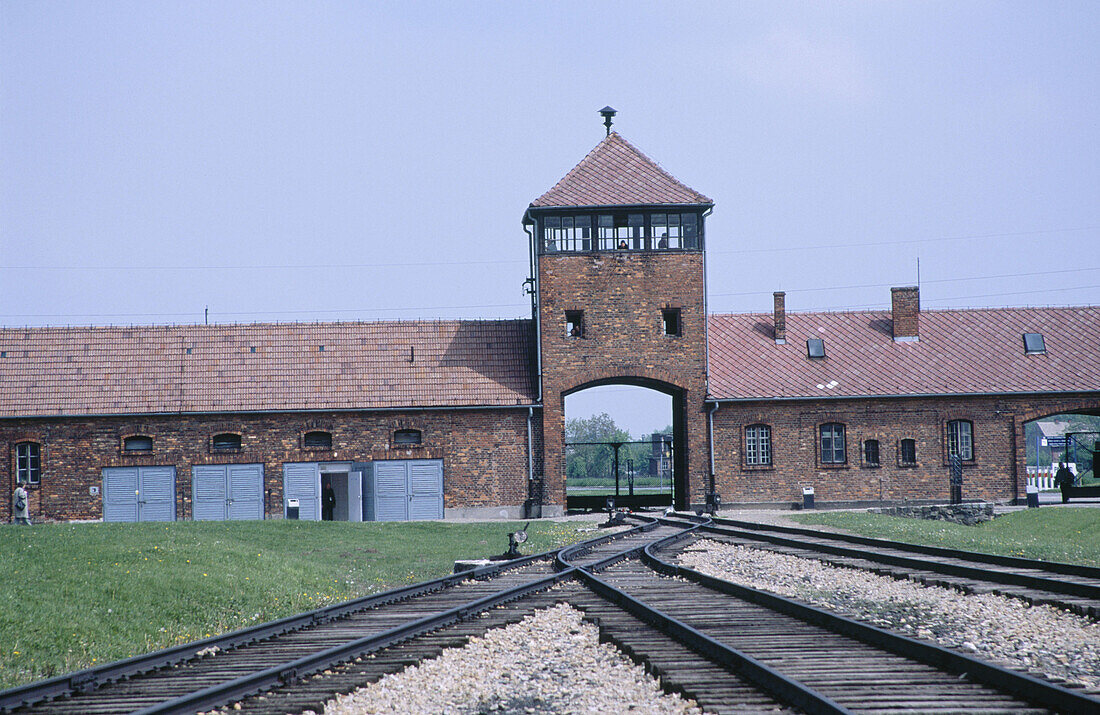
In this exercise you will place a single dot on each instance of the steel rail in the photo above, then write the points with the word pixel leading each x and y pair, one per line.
pixel 1021 685
pixel 286 673
pixel 88 679
pixel 768 679
pixel 1057 567
pixel 1008 578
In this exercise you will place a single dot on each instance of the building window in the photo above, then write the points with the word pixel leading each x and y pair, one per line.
pixel 620 232
pixel 832 444
pixel 758 445
pixel 317 439
pixel 226 441
pixel 28 463
pixel 960 439
pixel 870 452
pixel 1034 344
pixel 907 452
pixel 815 348
pixel 137 443
pixel 671 318
pixel 574 323
pixel 407 438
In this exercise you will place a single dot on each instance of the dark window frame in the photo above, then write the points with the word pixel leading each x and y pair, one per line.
pixel 954 441
pixel 317 439
pixel 672 318
pixel 832 456
pixel 759 446
pixel 28 462
pixel 574 323
pixel 815 348
pixel 907 452
pixel 868 445
pixel 218 442
pixel 1037 345
pixel 130 442
pixel 653 229
pixel 407 437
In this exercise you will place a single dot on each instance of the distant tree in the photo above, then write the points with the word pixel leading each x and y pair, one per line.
pixel 597 428
pixel 592 460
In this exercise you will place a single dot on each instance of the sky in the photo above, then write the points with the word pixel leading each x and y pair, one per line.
pixel 181 162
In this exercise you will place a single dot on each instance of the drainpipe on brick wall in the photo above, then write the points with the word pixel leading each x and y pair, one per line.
pixel 710 444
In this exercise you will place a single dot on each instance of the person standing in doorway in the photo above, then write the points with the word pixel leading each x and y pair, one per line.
pixel 328 502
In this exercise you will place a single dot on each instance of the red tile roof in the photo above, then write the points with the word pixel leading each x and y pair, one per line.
pixel 145 370
pixel 617 174
pixel 959 352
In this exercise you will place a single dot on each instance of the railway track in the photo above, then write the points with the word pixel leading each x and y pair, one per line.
pixel 1071 587
pixel 729 648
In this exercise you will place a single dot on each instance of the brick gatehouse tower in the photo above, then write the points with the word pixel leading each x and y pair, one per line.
pixel 619 268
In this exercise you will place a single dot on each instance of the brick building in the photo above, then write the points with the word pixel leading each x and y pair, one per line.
pixel 419 419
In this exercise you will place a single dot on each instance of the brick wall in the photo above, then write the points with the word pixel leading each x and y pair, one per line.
pixel 484 452
pixel 622 295
pixel 996 472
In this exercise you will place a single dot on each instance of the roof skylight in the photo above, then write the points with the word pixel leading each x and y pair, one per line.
pixel 815 347
pixel 1034 343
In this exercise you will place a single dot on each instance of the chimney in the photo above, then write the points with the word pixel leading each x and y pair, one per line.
pixel 906 308
pixel 780 317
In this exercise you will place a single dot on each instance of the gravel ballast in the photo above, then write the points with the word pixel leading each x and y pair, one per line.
pixel 1042 640
pixel 552 661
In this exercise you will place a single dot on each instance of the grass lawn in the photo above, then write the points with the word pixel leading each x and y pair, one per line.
pixel 1064 534
pixel 76 595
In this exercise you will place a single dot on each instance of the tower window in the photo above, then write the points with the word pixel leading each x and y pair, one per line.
pixel 625 231
pixel 28 463
pixel 907 452
pixel 671 317
pixel 574 323
pixel 226 441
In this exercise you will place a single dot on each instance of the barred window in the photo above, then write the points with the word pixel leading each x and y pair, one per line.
pixel 907 452
pixel 870 453
pixel 758 445
pixel 960 439
pixel 28 463
pixel 832 444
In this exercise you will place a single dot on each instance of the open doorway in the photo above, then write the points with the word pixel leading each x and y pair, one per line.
pixel 620 443
pixel 1069 439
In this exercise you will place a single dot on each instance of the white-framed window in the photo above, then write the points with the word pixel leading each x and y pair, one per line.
pixel 758 445
pixel 28 463
pixel 960 439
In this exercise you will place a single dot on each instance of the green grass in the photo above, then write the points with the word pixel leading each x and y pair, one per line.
pixel 1065 534
pixel 76 595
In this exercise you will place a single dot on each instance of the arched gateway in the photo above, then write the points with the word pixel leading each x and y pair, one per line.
pixel 620 297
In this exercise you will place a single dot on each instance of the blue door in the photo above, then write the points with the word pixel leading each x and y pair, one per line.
pixel 227 491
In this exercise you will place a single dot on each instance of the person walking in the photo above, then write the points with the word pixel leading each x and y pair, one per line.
pixel 1063 479
pixel 20 506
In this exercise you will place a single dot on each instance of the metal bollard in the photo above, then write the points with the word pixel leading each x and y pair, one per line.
pixel 292 507
pixel 1032 496
pixel 807 497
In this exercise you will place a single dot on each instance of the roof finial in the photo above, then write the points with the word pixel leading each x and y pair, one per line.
pixel 608 113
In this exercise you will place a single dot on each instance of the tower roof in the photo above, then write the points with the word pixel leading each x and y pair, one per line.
pixel 615 173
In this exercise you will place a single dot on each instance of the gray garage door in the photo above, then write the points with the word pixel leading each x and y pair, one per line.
pixel 227 491
pixel 405 489
pixel 303 482
pixel 139 494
